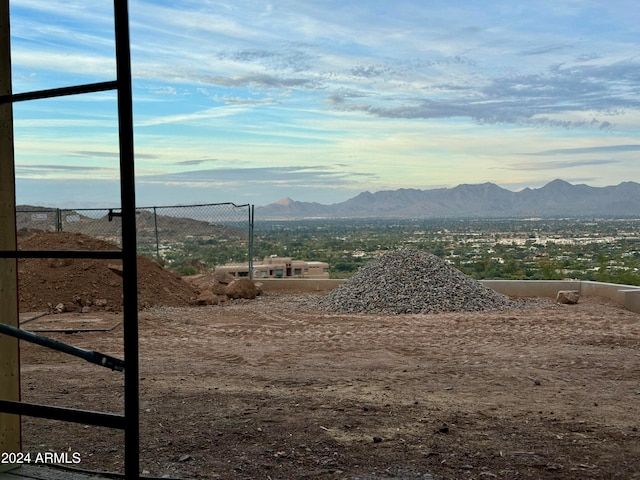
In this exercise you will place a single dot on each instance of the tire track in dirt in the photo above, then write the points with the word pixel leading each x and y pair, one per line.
pixel 502 336
pixel 271 384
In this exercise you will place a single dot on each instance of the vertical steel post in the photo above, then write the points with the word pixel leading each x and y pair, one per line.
pixel 9 346
pixel 129 248
pixel 251 216
pixel 155 223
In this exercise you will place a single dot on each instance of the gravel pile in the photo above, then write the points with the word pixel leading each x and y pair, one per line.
pixel 410 281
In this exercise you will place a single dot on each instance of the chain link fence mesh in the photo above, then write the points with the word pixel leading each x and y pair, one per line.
pixel 189 238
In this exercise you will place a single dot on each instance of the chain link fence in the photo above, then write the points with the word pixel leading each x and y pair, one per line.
pixel 187 238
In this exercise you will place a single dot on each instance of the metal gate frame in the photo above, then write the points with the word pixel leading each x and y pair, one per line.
pixel 129 422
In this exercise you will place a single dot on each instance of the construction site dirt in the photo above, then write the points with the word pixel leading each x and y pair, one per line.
pixel 272 389
pixel 275 388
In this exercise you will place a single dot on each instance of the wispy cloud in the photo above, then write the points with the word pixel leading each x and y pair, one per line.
pixel 258 80
pixel 70 168
pixel 201 117
pixel 64 171
pixel 246 101
pixel 104 154
pixel 187 163
pixel 537 99
pixel 293 175
pixel 445 92
pixel 559 164
pixel 541 50
pixel 582 150
pixel 94 153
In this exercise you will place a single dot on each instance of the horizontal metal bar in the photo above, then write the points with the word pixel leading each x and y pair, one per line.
pixel 59 92
pixel 114 214
pixel 98 254
pixel 86 417
pixel 196 205
pixel 89 355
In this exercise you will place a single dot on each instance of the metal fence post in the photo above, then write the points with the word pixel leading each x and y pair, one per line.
pixel 155 224
pixel 58 220
pixel 251 217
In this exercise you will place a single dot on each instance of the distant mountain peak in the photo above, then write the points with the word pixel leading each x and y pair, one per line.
pixel 284 201
pixel 556 198
pixel 558 183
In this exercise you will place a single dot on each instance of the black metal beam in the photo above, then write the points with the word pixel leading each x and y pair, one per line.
pixel 86 417
pixel 89 355
pixel 59 92
pixel 129 246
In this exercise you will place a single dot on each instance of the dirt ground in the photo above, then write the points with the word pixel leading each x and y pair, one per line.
pixel 265 389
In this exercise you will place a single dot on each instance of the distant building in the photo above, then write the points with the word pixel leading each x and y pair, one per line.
pixel 278 267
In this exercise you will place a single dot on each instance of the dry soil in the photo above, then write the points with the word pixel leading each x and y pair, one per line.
pixel 267 389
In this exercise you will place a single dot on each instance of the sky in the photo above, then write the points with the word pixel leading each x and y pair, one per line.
pixel 251 101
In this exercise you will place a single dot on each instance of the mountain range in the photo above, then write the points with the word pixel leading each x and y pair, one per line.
pixel 556 199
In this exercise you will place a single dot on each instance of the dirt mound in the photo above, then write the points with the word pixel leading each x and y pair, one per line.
pixel 93 284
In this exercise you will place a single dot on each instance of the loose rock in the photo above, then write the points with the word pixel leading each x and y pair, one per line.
pixel 241 288
pixel 411 281
pixel 568 297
